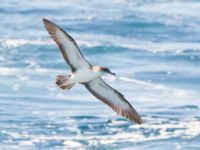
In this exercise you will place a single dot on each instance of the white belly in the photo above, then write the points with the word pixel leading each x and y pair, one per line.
pixel 84 75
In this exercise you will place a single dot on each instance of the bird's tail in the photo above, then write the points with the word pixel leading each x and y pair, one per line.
pixel 63 81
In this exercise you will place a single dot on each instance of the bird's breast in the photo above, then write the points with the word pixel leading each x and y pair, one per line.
pixel 84 75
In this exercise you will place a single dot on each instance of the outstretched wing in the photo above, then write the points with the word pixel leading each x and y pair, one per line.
pixel 113 98
pixel 67 45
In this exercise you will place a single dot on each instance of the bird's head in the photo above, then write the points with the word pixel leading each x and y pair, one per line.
pixel 103 70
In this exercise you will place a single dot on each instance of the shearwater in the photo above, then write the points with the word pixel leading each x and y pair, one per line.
pixel 90 76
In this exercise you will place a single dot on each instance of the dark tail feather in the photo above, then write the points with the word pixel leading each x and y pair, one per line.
pixel 62 82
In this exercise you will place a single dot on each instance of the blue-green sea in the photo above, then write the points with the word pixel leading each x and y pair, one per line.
pixel 152 45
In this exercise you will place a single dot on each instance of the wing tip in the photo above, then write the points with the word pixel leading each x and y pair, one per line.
pixel 46 21
pixel 48 24
pixel 134 116
pixel 138 120
pixel 52 28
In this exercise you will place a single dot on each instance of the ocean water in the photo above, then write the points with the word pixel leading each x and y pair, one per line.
pixel 154 48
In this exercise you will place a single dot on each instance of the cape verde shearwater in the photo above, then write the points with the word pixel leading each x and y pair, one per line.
pixel 88 75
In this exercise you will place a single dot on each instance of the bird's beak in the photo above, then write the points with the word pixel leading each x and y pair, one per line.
pixel 114 74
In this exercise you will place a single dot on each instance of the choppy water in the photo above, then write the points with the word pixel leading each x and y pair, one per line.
pixel 153 46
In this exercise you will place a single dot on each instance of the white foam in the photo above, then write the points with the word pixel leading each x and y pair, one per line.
pixel 72 144
pixel 93 40
pixel 186 9
pixel 138 91
pixel 19 42
pixel 186 129
pixel 152 86
pixel 9 71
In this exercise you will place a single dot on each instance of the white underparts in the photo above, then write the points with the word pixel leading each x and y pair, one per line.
pixel 82 75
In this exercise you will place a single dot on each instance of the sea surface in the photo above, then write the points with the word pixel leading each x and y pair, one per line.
pixel 152 45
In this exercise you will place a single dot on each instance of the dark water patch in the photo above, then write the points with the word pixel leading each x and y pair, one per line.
pixel 22 11
pixel 174 129
pixel 102 50
pixel 168 113
pixel 190 59
pixel 84 117
pixel 128 28
pixel 187 107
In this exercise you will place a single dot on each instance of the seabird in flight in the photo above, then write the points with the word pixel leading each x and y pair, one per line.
pixel 88 75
